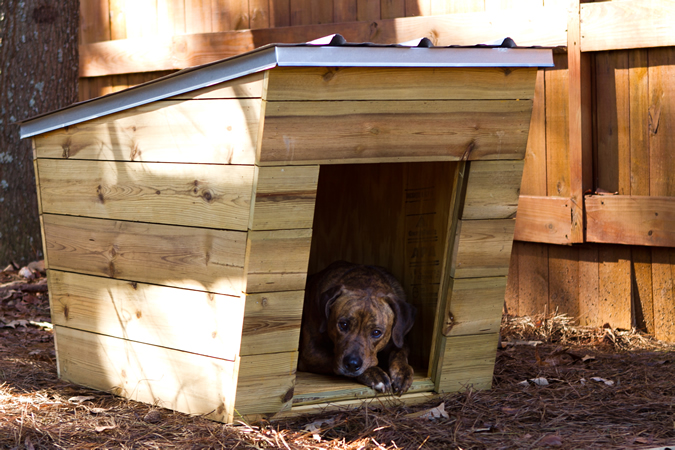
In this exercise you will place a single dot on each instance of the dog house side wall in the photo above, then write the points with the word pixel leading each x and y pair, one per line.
pixel 148 256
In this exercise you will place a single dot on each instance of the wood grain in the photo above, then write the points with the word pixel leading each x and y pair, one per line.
pixel 394 131
pixel 614 289
pixel 167 131
pixel 533 282
pixel 589 286
pixel 643 297
pixel 266 383
pixel 638 75
pixel 557 129
pixel 661 123
pixel 181 319
pixel 284 198
pixel 534 171
pixel 277 260
pixel 211 196
pixel 563 279
pixel 475 306
pixel 360 83
pixel 663 260
pixel 493 189
pixel 631 220
pixel 250 86
pixel 468 362
pixel 483 248
pixel 155 375
pixel 196 258
pixel 544 219
pixel 272 322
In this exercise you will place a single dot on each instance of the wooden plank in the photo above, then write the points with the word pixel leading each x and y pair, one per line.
pixel 534 172
pixel 544 219
pixel 266 383
pixel 277 260
pixel 272 322
pixel 631 220
pixel 201 323
pixel 661 121
pixel 468 363
pixel 492 190
pixel 250 86
pixel 94 21
pixel 391 9
pixel 163 132
pixel 198 16
pixel 483 248
pixel 284 198
pixel 361 83
pixel 513 282
pixel 259 14
pixel 623 24
pixel 200 195
pixel 563 279
pixel 614 289
pixel 638 76
pixel 141 18
pixel 170 17
pixel 195 258
pixel 280 13
pixel 367 11
pixel 589 286
pixel 664 294
pixel 643 298
pixel 301 12
pixel 118 22
pixel 475 306
pixel 156 375
pixel 535 26
pixel 367 131
pixel 557 128
pixel 533 279
pixel 311 388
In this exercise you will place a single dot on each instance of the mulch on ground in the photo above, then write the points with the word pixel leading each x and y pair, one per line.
pixel 556 385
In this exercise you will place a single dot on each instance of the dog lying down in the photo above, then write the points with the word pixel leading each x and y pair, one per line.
pixel 354 322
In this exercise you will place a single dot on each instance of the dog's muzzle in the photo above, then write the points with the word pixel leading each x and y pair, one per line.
pixel 352 365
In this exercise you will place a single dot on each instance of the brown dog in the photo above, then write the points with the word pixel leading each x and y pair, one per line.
pixel 354 317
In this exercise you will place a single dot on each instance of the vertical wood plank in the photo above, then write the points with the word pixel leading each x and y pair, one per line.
pixel 643 300
pixel 417 8
pixel 259 14
pixel 662 121
pixel 118 19
pixel 638 76
pixel 534 172
pixel 533 279
pixel 344 11
pixel 589 279
pixel 198 16
pixel 322 11
pixel 664 300
pixel 94 21
pixel 367 10
pixel 563 272
pixel 280 13
pixel 614 287
pixel 170 17
pixel 301 12
pixel 512 283
pixel 141 18
pixel 454 7
pixel 391 9
pixel 557 128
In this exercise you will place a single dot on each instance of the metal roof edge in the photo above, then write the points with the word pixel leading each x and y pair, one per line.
pixel 181 82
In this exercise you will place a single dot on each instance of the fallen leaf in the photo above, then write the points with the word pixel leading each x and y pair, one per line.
pixel 602 380
pixel 15 323
pixel 105 428
pixel 588 358
pixel 26 273
pixel 508 410
pixel 540 381
pixel 431 414
pixel 316 426
pixel 153 416
pixel 98 410
pixel 80 398
pixel 551 441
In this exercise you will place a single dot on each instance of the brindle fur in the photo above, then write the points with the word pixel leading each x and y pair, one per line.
pixel 366 298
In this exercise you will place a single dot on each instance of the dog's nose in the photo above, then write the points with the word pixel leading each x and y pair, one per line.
pixel 352 363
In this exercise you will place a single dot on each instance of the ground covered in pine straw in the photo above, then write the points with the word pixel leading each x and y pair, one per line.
pixel 555 386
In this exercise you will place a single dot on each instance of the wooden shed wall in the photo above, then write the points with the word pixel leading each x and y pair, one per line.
pixel 602 119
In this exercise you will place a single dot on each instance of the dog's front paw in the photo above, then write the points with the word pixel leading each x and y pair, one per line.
pixel 401 378
pixel 375 378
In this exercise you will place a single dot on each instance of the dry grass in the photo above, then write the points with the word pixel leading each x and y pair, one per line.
pixel 632 408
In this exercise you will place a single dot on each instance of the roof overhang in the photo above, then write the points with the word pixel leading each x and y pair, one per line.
pixel 287 55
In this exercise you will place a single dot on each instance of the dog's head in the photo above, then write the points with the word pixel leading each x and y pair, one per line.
pixel 362 316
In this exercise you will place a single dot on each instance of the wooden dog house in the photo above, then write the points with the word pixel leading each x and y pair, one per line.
pixel 180 218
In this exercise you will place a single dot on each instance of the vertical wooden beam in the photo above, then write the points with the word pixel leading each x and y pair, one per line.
pixel 533 279
pixel 580 133
pixel 534 172
pixel 664 300
pixel 512 284
pixel 638 78
pixel 563 276
pixel 589 279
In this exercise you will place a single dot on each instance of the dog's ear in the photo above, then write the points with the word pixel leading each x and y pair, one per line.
pixel 404 318
pixel 326 301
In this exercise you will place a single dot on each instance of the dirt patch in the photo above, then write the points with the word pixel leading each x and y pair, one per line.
pixel 555 386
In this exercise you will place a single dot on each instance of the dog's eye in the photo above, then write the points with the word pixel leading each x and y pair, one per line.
pixel 375 334
pixel 343 325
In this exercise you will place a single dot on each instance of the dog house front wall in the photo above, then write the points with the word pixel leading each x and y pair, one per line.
pixel 178 233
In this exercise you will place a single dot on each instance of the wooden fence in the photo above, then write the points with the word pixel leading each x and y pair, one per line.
pixel 596 222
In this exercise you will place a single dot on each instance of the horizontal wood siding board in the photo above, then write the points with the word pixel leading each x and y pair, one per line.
pixel 533 26
pixel 374 83
pixel 631 220
pixel 483 248
pixel 277 260
pixel 468 363
pixel 492 190
pixel 544 219
pixel 624 24
pixel 385 131
pixel 284 198
pixel 195 258
pixel 250 86
pixel 218 131
pixel 266 383
pixel 475 306
pixel 272 322
pixel 187 320
pixel 156 375
pixel 201 195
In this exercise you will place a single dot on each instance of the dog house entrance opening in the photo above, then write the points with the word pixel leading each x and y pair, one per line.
pixel 393 215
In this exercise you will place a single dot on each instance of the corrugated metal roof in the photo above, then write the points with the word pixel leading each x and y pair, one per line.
pixel 331 51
